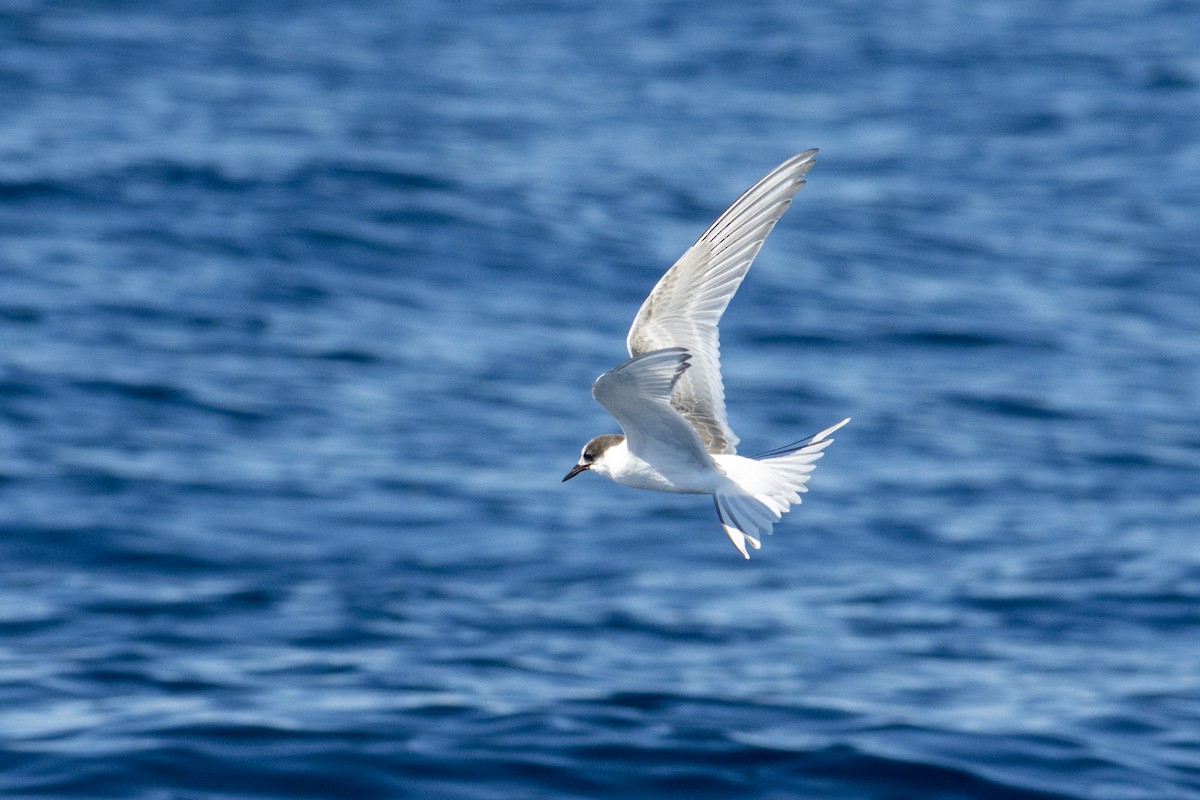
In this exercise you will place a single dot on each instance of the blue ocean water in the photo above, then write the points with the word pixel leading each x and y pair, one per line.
pixel 299 310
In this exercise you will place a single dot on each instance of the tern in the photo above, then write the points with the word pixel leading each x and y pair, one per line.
pixel 668 397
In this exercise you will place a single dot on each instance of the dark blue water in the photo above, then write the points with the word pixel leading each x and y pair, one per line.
pixel 299 310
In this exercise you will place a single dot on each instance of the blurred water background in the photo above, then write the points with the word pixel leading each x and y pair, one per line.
pixel 299 311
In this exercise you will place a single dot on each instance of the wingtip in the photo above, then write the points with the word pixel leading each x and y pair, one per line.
pixel 804 157
pixel 796 168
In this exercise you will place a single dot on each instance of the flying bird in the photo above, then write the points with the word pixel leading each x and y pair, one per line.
pixel 668 397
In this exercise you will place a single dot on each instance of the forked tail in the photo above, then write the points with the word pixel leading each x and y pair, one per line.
pixel 764 488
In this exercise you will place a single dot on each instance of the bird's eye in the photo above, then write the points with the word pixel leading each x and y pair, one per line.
pixel 588 458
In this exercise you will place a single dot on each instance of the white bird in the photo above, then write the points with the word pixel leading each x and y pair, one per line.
pixel 668 397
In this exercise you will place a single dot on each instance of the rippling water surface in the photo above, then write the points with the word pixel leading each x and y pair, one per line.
pixel 298 314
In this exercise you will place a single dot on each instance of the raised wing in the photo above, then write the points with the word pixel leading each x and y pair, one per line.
pixel 638 395
pixel 687 303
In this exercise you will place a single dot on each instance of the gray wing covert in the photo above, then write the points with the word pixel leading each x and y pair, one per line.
pixel 638 395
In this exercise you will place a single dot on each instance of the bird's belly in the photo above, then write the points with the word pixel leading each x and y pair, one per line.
pixel 641 475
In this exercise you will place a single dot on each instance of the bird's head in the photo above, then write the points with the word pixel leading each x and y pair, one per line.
pixel 593 455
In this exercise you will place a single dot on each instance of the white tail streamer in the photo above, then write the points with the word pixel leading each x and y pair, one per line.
pixel 760 491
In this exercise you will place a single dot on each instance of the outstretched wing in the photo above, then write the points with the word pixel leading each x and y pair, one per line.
pixel 687 303
pixel 638 395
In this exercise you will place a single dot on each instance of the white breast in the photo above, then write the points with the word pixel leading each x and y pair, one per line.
pixel 620 465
